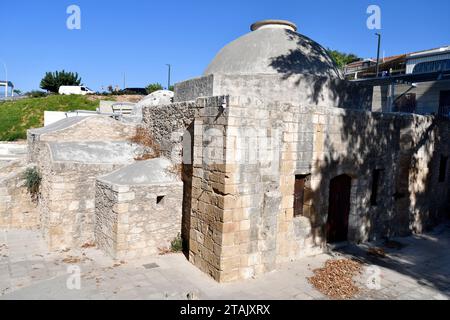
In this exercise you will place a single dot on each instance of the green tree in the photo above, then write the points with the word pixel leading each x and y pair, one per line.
pixel 342 59
pixel 154 87
pixel 53 80
pixel 172 88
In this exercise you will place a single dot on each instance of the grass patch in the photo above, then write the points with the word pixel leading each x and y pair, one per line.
pixel 177 244
pixel 16 117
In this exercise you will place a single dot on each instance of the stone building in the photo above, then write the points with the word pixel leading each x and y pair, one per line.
pixel 138 211
pixel 286 159
pixel 280 156
pixel 70 155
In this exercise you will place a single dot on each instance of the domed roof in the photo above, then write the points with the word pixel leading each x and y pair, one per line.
pixel 274 47
pixel 157 98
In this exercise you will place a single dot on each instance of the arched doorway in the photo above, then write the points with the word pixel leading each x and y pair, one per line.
pixel 339 208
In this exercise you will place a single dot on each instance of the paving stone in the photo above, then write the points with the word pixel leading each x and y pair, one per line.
pixel 176 277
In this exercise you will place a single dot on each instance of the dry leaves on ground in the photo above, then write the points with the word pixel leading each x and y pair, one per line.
pixel 88 245
pixel 335 280
pixel 377 252
pixel 71 260
pixel 164 251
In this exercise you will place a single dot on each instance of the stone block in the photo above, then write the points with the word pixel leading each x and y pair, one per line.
pixel 127 196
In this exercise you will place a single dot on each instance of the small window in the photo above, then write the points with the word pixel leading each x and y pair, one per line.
pixel 299 194
pixel 376 176
pixel 443 169
pixel 83 89
pixel 406 103
pixel 160 200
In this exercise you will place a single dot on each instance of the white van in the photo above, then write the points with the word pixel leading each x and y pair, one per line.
pixel 81 90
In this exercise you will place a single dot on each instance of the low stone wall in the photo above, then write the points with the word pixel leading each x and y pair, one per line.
pixel 16 207
pixel 78 129
pixel 168 123
pixel 12 151
pixel 137 221
pixel 192 89
pixel 67 203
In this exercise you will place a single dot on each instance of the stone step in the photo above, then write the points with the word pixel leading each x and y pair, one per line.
pixel 13 149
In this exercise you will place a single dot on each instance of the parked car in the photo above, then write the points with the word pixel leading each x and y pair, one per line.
pixel 80 90
pixel 141 91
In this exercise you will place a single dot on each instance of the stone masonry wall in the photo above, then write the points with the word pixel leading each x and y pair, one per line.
pixel 246 157
pixel 95 128
pixel 130 223
pixel 168 124
pixel 17 210
pixel 194 88
pixel 292 88
pixel 67 202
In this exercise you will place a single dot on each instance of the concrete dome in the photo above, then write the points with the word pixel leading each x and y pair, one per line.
pixel 273 47
pixel 157 98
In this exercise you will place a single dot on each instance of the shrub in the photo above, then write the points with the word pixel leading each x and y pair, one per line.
pixel 36 94
pixel 33 182
pixel 53 80
pixel 154 87
pixel 177 244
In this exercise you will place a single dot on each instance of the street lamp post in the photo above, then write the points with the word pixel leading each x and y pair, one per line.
pixel 378 53
pixel 168 80
pixel 6 80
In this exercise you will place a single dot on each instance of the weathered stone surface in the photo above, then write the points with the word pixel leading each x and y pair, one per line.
pixel 17 210
pixel 78 129
pixel 247 212
pixel 143 218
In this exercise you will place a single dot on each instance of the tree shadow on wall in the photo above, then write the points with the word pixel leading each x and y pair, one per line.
pixel 308 58
pixel 310 63
pixel 408 151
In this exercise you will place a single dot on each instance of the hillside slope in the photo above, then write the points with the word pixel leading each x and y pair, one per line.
pixel 18 116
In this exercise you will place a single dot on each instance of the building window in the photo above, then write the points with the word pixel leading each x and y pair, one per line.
pixel 432 66
pixel 376 176
pixel 160 200
pixel 443 168
pixel 299 194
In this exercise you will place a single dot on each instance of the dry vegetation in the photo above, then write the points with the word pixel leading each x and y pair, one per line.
pixel 118 98
pixel 335 280
pixel 176 169
pixel 145 139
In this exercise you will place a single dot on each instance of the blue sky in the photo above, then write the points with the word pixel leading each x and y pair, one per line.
pixel 138 37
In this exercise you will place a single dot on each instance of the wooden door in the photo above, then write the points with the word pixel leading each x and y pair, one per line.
pixel 339 209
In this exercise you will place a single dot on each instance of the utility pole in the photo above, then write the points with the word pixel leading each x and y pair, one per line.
pixel 378 53
pixel 170 71
pixel 124 81
pixel 6 80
